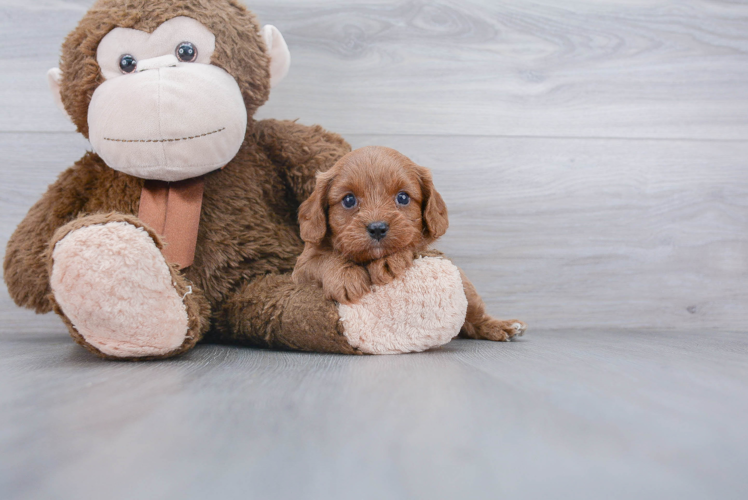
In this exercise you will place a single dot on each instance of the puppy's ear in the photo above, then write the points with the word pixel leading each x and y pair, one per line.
pixel 313 212
pixel 435 218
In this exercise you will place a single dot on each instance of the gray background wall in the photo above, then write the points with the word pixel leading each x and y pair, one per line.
pixel 593 154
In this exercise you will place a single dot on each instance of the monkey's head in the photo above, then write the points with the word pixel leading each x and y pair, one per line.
pixel 163 88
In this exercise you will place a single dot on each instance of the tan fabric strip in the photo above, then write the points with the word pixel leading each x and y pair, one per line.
pixel 183 220
pixel 172 209
pixel 153 200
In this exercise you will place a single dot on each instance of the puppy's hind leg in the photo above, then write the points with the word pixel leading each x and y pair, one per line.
pixel 479 325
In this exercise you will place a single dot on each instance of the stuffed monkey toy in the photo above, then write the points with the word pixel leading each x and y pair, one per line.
pixel 181 224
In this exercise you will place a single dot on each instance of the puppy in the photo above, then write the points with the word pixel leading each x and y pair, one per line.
pixel 369 216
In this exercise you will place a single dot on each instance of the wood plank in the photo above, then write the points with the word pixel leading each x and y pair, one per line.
pixel 658 69
pixel 31 34
pixel 561 233
pixel 587 415
pixel 586 233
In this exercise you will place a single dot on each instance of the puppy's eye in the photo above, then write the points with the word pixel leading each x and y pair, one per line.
pixel 349 201
pixel 186 52
pixel 127 63
pixel 402 198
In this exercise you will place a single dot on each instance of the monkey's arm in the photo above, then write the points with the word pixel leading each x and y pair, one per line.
pixel 274 312
pixel 25 266
pixel 302 151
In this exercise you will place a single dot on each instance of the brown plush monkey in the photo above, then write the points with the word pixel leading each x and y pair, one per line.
pixel 182 225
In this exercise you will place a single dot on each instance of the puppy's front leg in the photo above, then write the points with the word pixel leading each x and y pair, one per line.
pixel 386 269
pixel 342 280
pixel 346 282
pixel 479 325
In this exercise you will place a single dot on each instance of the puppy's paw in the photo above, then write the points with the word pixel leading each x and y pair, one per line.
pixel 519 327
pixel 348 284
pixel 386 269
pixel 500 331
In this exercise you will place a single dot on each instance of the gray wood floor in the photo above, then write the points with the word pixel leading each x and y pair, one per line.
pixel 566 414
pixel 594 157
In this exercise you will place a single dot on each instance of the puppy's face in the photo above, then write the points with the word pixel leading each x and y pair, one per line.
pixel 372 203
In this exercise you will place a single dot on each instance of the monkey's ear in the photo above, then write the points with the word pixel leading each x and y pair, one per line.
pixel 312 213
pixel 277 51
pixel 54 78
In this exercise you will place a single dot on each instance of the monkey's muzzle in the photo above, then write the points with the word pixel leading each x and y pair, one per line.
pixel 168 121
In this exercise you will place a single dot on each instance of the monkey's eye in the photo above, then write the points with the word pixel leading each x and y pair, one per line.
pixel 402 198
pixel 127 63
pixel 186 52
pixel 349 201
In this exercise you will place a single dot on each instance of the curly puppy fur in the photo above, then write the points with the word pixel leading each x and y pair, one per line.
pixel 340 253
pixel 369 216
pixel 248 240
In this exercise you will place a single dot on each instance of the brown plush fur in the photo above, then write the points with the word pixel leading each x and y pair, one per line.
pixel 248 237
pixel 239 50
pixel 340 254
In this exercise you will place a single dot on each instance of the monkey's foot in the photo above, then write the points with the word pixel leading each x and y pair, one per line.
pixel 117 294
pixel 422 309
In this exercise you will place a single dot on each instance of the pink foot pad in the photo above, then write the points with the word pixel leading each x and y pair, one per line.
pixel 422 309
pixel 115 287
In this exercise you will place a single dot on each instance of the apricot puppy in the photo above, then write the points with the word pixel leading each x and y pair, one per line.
pixel 369 216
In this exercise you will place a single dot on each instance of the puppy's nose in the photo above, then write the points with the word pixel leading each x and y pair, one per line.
pixel 378 230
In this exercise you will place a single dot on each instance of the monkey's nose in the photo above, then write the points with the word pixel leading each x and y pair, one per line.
pixel 157 62
pixel 378 230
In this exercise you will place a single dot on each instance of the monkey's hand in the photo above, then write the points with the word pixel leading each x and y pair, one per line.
pixel 386 269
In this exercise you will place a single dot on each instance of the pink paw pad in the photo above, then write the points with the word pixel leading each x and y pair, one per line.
pixel 114 285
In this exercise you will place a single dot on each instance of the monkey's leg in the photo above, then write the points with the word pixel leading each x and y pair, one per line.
pixel 422 310
pixel 479 325
pixel 116 293
pixel 273 312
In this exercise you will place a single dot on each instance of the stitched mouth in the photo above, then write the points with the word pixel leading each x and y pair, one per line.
pixel 167 140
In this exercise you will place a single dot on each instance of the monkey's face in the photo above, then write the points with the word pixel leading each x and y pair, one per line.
pixel 164 112
pixel 167 99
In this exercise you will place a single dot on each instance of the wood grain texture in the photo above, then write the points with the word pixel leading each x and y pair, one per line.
pixel 587 415
pixel 561 233
pixel 664 69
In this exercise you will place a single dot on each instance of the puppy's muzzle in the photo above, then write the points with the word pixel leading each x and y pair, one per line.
pixel 378 230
